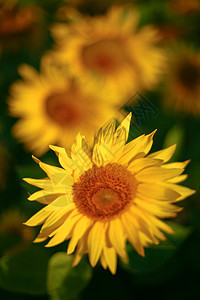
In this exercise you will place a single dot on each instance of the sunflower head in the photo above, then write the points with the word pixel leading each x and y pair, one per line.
pixel 15 18
pixel 183 80
pixel 53 107
pixel 105 196
pixel 110 51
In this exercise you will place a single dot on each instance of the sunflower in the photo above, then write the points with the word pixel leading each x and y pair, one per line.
pixel 184 7
pixel 15 19
pixel 53 108
pixel 182 87
pixel 102 198
pixel 110 51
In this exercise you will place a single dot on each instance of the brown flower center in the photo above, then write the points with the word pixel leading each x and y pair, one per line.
pixel 104 56
pixel 63 109
pixel 189 75
pixel 103 192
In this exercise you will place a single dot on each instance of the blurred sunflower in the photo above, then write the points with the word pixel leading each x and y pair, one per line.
pixel 15 18
pixel 182 88
pixel 184 7
pixel 11 224
pixel 101 199
pixel 53 108
pixel 110 51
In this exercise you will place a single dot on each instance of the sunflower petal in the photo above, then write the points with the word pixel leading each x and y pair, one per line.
pixel 117 237
pixel 164 154
pixel 110 258
pixel 79 230
pixel 95 242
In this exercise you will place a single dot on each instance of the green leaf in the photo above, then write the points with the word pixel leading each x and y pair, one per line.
pixel 25 271
pixel 63 281
pixel 157 255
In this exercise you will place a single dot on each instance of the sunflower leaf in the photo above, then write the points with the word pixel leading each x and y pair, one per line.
pixel 63 281
pixel 25 271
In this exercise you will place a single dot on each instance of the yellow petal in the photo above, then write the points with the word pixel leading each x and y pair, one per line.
pixel 160 224
pixel 39 217
pixel 107 133
pixel 67 163
pixel 78 155
pixel 152 223
pixel 28 72
pixel 44 197
pixel 103 261
pixel 132 233
pixel 61 234
pixel 39 239
pixel 110 258
pixel 79 230
pixel 178 179
pixel 48 169
pixel 166 211
pixel 138 147
pixel 153 174
pixel 81 249
pixel 141 163
pixel 178 165
pixel 142 223
pixel 54 220
pixel 158 191
pixel 119 142
pixel 151 228
pixel 41 183
pixel 117 237
pixel 183 191
pixel 125 125
pixel 164 154
pixel 58 175
pixel 95 242
pixel 97 156
pixel 62 201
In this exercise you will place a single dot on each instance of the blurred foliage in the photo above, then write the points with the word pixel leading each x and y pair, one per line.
pixel 169 270
pixel 63 281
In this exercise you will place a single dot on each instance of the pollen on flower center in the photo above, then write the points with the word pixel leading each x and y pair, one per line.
pixel 61 108
pixel 104 56
pixel 105 191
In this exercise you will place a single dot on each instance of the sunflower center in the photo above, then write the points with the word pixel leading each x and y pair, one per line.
pixel 104 56
pixel 62 109
pixel 105 191
pixel 189 75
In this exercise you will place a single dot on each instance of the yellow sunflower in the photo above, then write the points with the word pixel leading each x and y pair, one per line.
pixel 53 108
pixel 104 198
pixel 182 86
pixel 110 51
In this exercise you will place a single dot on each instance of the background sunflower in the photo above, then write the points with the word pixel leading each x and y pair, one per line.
pixel 169 270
